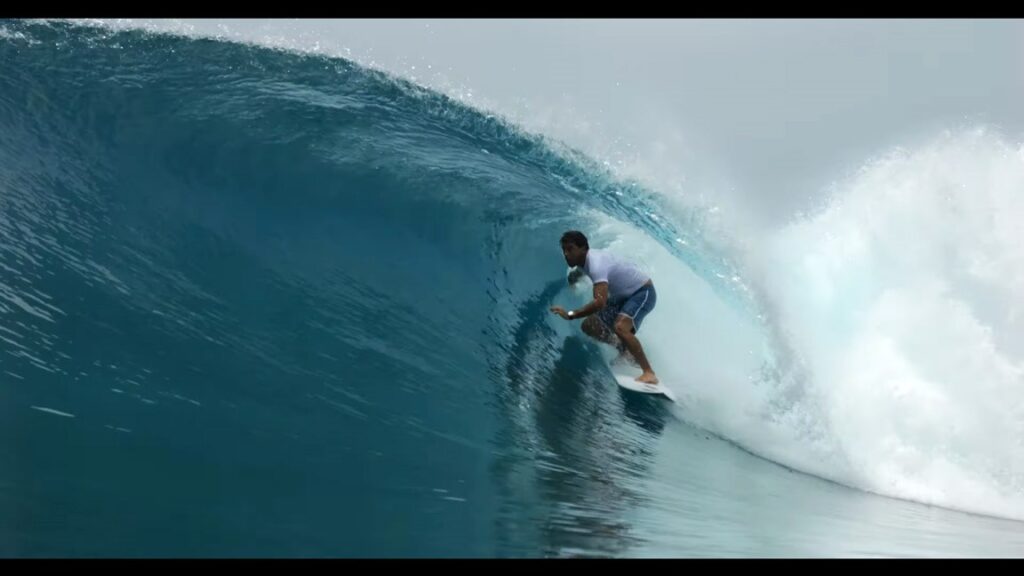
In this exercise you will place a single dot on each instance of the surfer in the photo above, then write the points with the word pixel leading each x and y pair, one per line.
pixel 623 296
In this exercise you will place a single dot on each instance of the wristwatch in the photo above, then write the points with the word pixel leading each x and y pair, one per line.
pixel 569 313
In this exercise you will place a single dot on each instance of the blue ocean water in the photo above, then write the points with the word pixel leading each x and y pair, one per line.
pixel 263 303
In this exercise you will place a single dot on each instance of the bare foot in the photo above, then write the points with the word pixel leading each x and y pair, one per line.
pixel 647 378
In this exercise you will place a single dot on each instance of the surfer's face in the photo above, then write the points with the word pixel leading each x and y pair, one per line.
pixel 574 255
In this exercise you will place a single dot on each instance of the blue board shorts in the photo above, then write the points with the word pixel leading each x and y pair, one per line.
pixel 636 306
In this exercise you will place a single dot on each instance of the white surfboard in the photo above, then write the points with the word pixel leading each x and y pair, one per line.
pixel 628 381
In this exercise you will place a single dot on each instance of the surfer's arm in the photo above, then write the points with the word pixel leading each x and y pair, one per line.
pixel 595 305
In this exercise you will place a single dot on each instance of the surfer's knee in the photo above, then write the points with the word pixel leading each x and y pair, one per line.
pixel 623 326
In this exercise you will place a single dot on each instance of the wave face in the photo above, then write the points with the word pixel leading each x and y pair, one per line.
pixel 258 302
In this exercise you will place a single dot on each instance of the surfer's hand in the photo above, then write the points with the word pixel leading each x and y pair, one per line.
pixel 560 311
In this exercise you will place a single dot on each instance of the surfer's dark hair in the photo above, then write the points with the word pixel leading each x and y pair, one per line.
pixel 576 237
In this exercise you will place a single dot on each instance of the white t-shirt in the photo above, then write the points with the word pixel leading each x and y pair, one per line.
pixel 623 277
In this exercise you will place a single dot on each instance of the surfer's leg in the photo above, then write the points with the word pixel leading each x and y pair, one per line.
pixel 593 327
pixel 628 322
pixel 624 330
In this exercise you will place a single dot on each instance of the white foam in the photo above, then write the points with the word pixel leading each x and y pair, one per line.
pixel 52 411
pixel 905 296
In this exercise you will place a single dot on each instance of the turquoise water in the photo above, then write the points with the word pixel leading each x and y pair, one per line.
pixel 258 303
